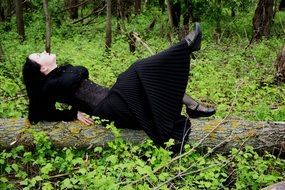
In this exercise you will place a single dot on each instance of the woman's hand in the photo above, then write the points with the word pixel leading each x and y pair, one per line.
pixel 82 118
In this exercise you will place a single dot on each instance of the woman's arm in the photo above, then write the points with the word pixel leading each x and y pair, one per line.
pixel 58 86
pixel 45 110
pixel 66 81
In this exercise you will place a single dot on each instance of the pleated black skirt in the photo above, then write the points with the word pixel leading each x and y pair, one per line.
pixel 148 95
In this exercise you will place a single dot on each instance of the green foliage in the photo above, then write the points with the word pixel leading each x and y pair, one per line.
pixel 125 166
pixel 253 171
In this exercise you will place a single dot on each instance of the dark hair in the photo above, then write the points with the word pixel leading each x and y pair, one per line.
pixel 33 80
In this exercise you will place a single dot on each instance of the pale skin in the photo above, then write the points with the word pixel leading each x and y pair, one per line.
pixel 47 61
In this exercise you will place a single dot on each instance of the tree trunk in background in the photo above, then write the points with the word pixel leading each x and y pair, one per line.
pixel 48 28
pixel 108 25
pixel 219 135
pixel 20 19
pixel 125 8
pixel 137 6
pixel 233 12
pixel 73 11
pixel 170 16
pixel 280 67
pixel 132 42
pixel 162 5
pixel 120 13
pixel 120 17
pixel 186 19
pixel 1 53
pixel 218 29
pixel 262 19
pixel 282 5
pixel 7 9
pixel 2 14
pixel 170 20
pixel 176 13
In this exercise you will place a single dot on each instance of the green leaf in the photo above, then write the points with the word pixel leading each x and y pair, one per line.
pixel 113 159
pixel 163 176
pixel 8 169
pixel 15 167
pixel 47 186
pixel 3 179
pixel 47 168
pixel 66 184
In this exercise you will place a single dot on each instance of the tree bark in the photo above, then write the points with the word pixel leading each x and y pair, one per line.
pixel 7 9
pixel 280 67
pixel 132 42
pixel 2 14
pixel 262 19
pixel 162 5
pixel 137 6
pixel 170 20
pixel 73 10
pixel 174 13
pixel 218 29
pixel 231 133
pixel 151 25
pixel 1 53
pixel 282 5
pixel 20 19
pixel 120 13
pixel 186 19
pixel 170 16
pixel 276 186
pixel 48 28
pixel 108 41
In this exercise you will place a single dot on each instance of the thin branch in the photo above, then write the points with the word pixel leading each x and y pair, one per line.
pixel 48 25
pixel 142 42
pixel 198 144
pixel 59 175
pixel 92 13
pixel 75 6
pixel 13 98
pixel 224 163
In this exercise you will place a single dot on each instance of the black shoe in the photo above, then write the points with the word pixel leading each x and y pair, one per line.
pixel 195 113
pixel 194 38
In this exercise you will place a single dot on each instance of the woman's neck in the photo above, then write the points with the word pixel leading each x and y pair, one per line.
pixel 50 69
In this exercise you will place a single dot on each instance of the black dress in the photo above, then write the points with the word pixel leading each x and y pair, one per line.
pixel 147 96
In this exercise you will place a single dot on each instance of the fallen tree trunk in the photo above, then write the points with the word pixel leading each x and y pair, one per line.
pixel 222 136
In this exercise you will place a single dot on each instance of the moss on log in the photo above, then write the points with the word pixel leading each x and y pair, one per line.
pixel 222 136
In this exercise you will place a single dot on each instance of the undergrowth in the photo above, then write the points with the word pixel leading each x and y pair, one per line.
pixel 121 165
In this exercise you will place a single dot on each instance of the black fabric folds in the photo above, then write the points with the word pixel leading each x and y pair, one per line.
pixel 147 96
pixel 151 92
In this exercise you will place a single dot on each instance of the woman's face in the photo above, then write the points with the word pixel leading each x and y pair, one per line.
pixel 47 61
